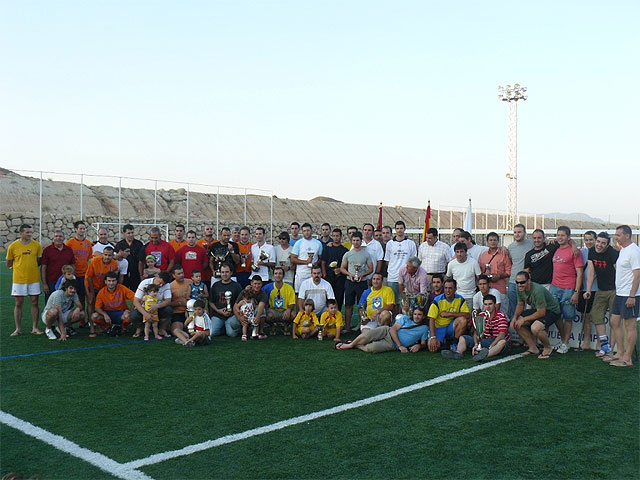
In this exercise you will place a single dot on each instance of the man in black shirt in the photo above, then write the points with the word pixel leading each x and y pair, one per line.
pixel 601 265
pixel 333 252
pixel 222 317
pixel 539 261
pixel 132 278
pixel 224 252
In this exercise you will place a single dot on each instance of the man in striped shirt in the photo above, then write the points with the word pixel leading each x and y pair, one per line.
pixel 434 254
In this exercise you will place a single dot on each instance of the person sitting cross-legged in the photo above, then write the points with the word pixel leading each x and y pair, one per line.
pixel 448 317
pixel 406 335
pixel 495 338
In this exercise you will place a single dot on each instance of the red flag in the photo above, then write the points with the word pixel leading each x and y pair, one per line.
pixel 380 217
pixel 427 221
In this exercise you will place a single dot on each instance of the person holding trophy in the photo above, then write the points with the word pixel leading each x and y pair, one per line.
pixel 332 254
pixel 283 257
pixel 224 252
pixel 243 271
pixel 222 297
pixel 375 300
pixel 263 256
pixel 356 265
pixel 305 254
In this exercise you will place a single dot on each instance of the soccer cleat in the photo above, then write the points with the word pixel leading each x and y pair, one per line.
pixel 450 355
pixel 50 335
pixel 562 348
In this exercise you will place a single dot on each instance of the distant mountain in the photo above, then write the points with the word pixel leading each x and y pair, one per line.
pixel 574 216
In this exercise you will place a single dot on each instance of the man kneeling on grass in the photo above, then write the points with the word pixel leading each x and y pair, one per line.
pixel 406 335
pixel 111 311
pixel 59 314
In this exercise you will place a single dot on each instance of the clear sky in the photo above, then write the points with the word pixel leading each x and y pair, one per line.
pixel 362 101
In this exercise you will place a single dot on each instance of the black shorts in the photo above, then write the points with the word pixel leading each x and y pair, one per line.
pixel 353 291
pixel 549 319
pixel 584 306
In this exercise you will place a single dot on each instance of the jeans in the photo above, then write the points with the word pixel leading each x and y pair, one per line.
pixel 231 326
pixel 512 296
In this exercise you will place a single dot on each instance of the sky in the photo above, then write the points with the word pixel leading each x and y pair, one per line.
pixel 361 101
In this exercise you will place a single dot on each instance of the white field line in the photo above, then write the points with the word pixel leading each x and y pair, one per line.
pixel 102 462
pixel 198 447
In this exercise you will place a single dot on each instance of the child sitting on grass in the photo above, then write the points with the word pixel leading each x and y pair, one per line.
pixel 332 321
pixel 306 322
pixel 151 298
pixel 150 270
pixel 199 326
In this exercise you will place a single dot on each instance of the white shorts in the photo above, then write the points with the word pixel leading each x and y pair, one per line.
pixel 298 281
pixel 24 289
pixel 65 315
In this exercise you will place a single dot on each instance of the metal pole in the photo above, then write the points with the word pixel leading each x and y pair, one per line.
pixel 451 218
pixel 155 203
pixel 486 218
pixel 81 189
pixel 438 215
pixel 119 208
pixel 40 211
pixel 188 207
pixel 271 217
pixel 245 206
pixel 217 211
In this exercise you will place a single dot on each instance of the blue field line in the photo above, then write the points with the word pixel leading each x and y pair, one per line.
pixel 22 355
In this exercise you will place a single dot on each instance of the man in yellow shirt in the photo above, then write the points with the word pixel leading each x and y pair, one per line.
pixel 23 256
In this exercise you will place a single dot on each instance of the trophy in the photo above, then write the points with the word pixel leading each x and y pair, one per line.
pixel 191 312
pixel 363 315
pixel 218 258
pixel 488 270
pixel 254 328
pixel 263 256
pixel 413 300
pixel 320 330
pixel 244 256
pixel 227 297
pixel 478 323
pixel 357 268
pixel 310 254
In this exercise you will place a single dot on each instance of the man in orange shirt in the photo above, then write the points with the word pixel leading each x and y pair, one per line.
pixel 82 253
pixel 179 241
pixel 206 242
pixel 111 305
pixel 94 279
pixel 244 245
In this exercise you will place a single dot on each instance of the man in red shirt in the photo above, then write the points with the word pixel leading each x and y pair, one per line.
pixel 54 257
pixel 163 251
pixel 191 256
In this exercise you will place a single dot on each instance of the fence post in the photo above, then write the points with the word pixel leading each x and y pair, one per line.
pixel 81 198
pixel 245 206
pixel 155 202
pixel 188 185
pixel 217 212
pixel 271 220
pixel 119 208
pixel 40 211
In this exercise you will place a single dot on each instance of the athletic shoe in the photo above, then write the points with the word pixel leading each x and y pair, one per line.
pixel 481 355
pixel 180 342
pixel 449 355
pixel 562 348
pixel 70 331
pixel 50 335
pixel 56 330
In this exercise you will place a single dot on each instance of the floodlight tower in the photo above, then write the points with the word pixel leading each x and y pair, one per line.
pixel 512 95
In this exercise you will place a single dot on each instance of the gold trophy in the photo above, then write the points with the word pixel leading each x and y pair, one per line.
pixel 310 254
pixel 357 268
pixel 190 311
pixel 364 318
pixel 244 256
pixel 263 256
pixel 227 297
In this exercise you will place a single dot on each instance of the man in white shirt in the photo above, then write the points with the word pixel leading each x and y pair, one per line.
pixel 102 242
pixel 434 254
pixel 374 249
pixel 485 289
pixel 317 289
pixel 627 302
pixel 464 270
pixel 257 248
pixel 473 250
pixel 120 256
pixel 163 307
pixel 398 251
pixel 305 254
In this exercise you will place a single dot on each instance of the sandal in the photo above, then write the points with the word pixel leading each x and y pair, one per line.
pixel 338 345
pixel 93 335
pixel 529 352
pixel 621 363
pixel 244 338
pixel 135 335
pixel 544 356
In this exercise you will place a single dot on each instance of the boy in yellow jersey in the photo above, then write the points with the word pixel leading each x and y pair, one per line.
pixel 332 321
pixel 305 324
pixel 448 316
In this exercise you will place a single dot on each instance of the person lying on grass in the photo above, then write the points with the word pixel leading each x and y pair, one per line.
pixel 406 335
pixel 198 325
pixel 306 323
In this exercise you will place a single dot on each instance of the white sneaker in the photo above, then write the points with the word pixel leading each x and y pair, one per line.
pixel 50 335
pixel 562 348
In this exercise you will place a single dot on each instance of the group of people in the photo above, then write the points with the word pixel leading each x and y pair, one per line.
pixel 408 297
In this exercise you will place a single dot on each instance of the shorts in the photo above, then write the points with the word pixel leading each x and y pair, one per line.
pixel 178 317
pixel 549 319
pixel 65 315
pixel 584 306
pixel 24 289
pixel 563 295
pixel 81 290
pixel 470 341
pixel 115 316
pixel 378 340
pixel 353 291
pixel 602 300
pixel 619 308
pixel 445 332
pixel 299 279
pixel 277 314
